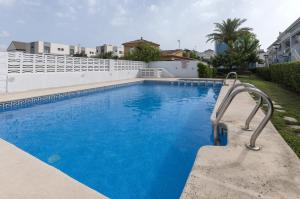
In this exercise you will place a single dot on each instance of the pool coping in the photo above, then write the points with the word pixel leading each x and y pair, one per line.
pixel 233 171
pixel 24 176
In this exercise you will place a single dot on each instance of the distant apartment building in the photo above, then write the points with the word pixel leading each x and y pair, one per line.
pixel 117 51
pixel 207 54
pixel 220 47
pixel 88 51
pixel 131 45
pixel 40 47
pixel 287 46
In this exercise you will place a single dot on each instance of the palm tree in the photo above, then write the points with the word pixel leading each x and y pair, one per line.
pixel 228 31
pixel 245 50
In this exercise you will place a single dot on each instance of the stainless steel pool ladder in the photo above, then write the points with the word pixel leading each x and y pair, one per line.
pixel 234 86
pixel 223 107
pixel 228 75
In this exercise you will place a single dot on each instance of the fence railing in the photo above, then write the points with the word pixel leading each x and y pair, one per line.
pixel 46 63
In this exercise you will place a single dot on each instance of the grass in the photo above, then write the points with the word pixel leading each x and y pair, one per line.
pixel 289 100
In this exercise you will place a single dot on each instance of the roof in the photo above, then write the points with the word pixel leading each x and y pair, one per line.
pixel 141 40
pixel 19 45
pixel 175 57
pixel 170 52
pixel 209 50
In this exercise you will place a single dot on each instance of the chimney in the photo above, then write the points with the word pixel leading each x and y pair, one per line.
pixel 141 38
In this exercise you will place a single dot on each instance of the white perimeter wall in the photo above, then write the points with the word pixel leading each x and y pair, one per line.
pixel 182 69
pixel 23 72
pixel 25 82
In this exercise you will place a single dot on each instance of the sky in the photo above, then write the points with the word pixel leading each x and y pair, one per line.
pixel 91 23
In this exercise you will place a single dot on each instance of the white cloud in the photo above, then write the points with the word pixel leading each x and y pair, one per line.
pixel 69 12
pixel 20 21
pixel 6 2
pixel 32 2
pixel 4 34
pixel 92 6
pixel 163 21
pixel 153 8
pixel 25 2
pixel 120 16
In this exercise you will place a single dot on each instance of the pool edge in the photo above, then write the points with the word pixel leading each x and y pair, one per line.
pixel 234 172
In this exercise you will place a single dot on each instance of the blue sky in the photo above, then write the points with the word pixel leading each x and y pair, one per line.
pixel 94 22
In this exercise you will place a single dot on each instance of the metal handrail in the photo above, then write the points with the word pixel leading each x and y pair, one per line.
pixel 228 75
pixel 230 91
pixel 252 114
pixel 260 127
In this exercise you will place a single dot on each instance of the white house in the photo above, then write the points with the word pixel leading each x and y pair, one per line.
pixel 261 56
pixel 89 51
pixel 207 54
pixel 287 45
pixel 41 47
pixel 117 51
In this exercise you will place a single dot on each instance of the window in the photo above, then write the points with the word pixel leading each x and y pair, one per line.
pixel 46 49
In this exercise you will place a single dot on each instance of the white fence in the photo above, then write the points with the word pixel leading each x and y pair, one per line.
pixel 34 71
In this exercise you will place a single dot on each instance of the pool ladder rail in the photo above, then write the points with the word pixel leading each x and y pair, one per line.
pixel 229 75
pixel 235 90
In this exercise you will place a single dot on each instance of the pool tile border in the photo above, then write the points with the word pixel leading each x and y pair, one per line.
pixel 45 99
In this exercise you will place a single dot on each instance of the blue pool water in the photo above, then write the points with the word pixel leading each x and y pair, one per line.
pixel 138 141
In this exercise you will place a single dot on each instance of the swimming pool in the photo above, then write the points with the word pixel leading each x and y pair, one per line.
pixel 138 141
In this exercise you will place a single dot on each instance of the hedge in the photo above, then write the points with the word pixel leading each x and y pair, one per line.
pixel 204 71
pixel 287 74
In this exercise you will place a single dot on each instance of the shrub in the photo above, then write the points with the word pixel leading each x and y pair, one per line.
pixel 264 73
pixel 287 74
pixel 204 71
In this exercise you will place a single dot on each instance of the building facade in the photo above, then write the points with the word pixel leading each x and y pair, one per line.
pixel 117 51
pixel 287 46
pixel 90 52
pixel 131 45
pixel 41 47
pixel 220 47
pixel 207 54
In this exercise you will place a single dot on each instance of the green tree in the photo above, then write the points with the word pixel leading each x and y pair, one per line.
pixel 244 50
pixel 228 31
pixel 144 52
pixel 242 45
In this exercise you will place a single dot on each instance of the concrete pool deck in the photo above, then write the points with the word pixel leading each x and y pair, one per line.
pixel 234 172
pixel 231 171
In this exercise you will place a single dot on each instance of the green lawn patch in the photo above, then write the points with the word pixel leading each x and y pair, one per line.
pixel 289 100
